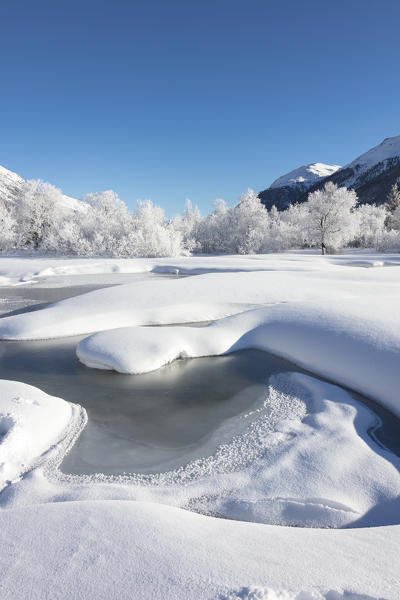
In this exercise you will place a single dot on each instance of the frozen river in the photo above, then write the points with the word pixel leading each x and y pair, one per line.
pixel 145 423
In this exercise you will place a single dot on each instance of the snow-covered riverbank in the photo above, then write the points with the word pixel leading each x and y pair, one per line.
pixel 311 467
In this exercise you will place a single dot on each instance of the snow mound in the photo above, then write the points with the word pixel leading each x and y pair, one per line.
pixel 346 342
pixel 30 423
pixel 306 175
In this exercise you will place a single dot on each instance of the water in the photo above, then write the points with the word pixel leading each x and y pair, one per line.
pixel 143 423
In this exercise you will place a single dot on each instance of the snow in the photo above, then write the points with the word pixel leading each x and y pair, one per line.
pixel 10 182
pixel 297 320
pixel 306 175
pixel 389 148
pixel 303 457
pixel 30 422
pixel 206 297
pixel 124 550
pixel 380 155
pixel 336 341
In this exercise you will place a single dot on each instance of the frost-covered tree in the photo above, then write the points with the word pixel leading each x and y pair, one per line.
pixel 107 226
pixel 154 236
pixel 394 222
pixel 249 224
pixel 392 206
pixel 215 230
pixel 37 211
pixel 393 198
pixel 189 226
pixel 371 225
pixel 39 219
pixel 293 223
pixel 331 222
pixel 7 228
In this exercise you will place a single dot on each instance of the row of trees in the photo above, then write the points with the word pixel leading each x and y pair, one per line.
pixel 38 220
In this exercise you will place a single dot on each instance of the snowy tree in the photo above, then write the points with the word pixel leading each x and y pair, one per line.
pixel 154 236
pixel 371 225
pixel 38 211
pixel 7 228
pixel 331 222
pixel 214 230
pixel 249 224
pixel 393 198
pixel 189 226
pixel 288 229
pixel 392 206
pixel 394 222
pixel 107 226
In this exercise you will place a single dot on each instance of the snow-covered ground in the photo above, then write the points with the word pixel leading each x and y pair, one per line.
pixel 308 460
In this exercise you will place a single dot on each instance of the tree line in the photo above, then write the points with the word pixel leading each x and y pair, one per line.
pixel 38 220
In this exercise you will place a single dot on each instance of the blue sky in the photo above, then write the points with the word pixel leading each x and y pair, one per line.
pixel 200 99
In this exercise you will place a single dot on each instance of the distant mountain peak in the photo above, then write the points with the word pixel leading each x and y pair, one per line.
pixel 306 175
pixel 371 175
pixel 389 148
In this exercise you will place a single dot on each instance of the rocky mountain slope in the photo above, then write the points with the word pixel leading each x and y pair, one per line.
pixel 371 175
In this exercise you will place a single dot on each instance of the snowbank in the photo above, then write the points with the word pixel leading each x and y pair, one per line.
pixel 349 342
pixel 302 456
pixel 309 462
pixel 120 550
pixel 24 270
pixel 201 298
pixel 30 423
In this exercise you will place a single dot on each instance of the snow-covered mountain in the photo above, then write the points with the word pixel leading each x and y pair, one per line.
pixel 371 175
pixel 307 175
pixel 290 187
pixel 11 185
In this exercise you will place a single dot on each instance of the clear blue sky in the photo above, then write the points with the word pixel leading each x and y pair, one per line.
pixel 170 99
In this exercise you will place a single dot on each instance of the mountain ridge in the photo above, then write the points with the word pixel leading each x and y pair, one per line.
pixel 371 175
